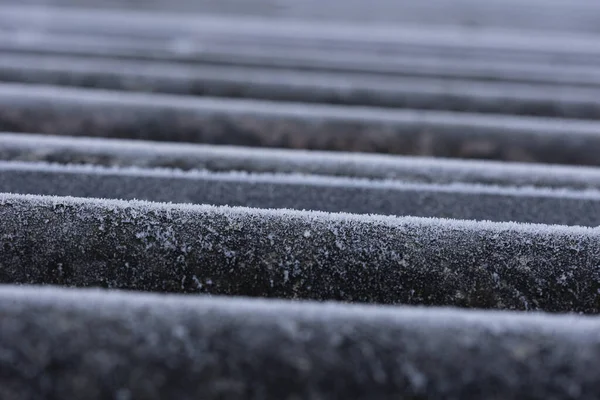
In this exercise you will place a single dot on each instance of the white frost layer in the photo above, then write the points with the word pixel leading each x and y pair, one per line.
pixel 308 216
pixel 136 152
pixel 431 317
pixel 300 180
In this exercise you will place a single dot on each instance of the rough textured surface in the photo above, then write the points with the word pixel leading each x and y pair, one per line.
pixel 294 254
pixel 92 345
pixel 309 86
pixel 70 111
pixel 144 154
pixel 306 192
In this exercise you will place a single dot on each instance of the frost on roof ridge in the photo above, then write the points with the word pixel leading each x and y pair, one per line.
pixel 151 206
pixel 202 342
pixel 310 86
pixel 296 178
pixel 318 311
pixel 295 254
pixel 26 108
pixel 310 192
pixel 136 153
pixel 543 126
